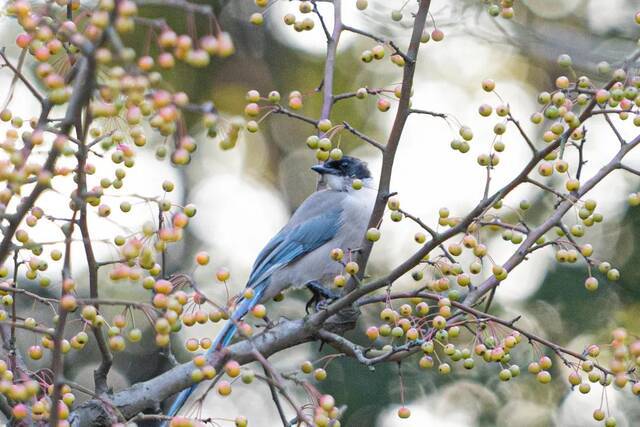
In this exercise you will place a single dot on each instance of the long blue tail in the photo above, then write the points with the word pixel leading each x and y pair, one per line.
pixel 221 341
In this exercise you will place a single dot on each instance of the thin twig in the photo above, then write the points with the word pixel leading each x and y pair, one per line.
pixel 274 394
pixel 615 130
pixel 629 169
pixel 396 49
pixel 348 95
pixel 322 23
pixel 57 364
pixel 281 110
pixel 363 137
pixel 427 113
pixel 431 231
pixel 581 161
pixel 483 317
pixel 548 189
pixel 18 74
pixel 277 381
pixel 522 132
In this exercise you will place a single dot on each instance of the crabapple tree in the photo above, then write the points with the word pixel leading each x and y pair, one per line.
pixel 104 100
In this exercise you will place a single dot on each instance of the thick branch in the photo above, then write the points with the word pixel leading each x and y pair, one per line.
pixel 151 393
pixel 330 62
pixel 391 147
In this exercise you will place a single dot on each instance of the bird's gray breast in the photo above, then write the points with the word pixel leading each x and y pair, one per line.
pixel 356 207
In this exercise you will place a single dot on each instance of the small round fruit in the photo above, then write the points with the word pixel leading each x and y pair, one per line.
pixel 444 368
pixel 224 388
pixel 505 375
pixel 320 374
pixel 202 258
pixel 362 4
pixel 488 85
pixel 543 377
pixel 591 284
pixel 306 367
pixel 437 35
pixel 404 412
pixel 352 268
pixel 223 274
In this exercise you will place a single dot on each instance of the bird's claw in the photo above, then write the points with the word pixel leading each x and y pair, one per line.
pixel 321 298
pixel 268 323
pixel 323 304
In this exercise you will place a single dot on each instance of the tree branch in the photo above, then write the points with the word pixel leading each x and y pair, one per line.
pixel 329 64
pixel 393 141
pixel 427 113
pixel 522 132
pixel 363 137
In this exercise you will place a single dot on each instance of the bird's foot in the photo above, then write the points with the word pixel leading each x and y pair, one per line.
pixel 318 289
pixel 268 323
pixel 323 304
pixel 321 298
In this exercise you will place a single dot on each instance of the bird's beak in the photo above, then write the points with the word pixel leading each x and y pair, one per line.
pixel 322 169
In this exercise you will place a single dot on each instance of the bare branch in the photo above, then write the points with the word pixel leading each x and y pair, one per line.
pixel 614 129
pixel 393 141
pixel 349 95
pixel 506 226
pixel 427 113
pixel 277 382
pixel 396 50
pixel 329 64
pixel 18 74
pixel 629 169
pixel 321 18
pixel 396 354
pixel 363 137
pixel 100 374
pixel 431 231
pixel 57 363
pixel 281 110
pixel 554 219
pixel 548 189
pixel 522 132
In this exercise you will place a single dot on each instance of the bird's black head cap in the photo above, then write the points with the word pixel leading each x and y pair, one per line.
pixel 347 166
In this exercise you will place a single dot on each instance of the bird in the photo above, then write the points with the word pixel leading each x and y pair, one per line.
pixel 334 216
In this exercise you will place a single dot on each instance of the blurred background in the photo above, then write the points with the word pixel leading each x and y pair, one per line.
pixel 246 194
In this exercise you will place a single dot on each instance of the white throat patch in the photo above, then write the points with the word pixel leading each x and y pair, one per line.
pixel 343 183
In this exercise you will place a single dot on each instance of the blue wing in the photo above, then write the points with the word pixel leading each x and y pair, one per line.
pixel 293 242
